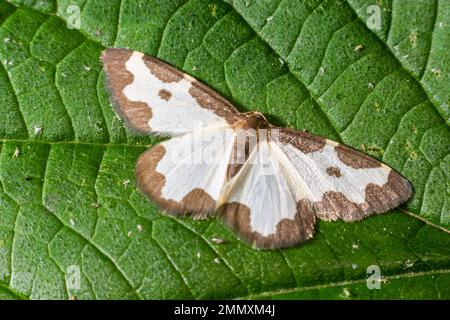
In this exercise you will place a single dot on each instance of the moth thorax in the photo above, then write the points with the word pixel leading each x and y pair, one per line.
pixel 251 130
pixel 252 120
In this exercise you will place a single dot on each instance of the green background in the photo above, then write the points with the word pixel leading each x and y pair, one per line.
pixel 68 194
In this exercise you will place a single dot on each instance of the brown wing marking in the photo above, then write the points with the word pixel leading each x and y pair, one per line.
pixel 303 141
pixel 150 182
pixel 288 231
pixel 209 99
pixel 335 205
pixel 136 115
pixel 378 199
pixel 355 159
pixel 163 71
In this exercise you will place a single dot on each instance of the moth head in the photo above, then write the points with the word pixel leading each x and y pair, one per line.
pixel 253 120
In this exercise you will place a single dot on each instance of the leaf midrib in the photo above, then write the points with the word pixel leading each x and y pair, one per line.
pixel 74 142
pixel 268 294
pixel 16 294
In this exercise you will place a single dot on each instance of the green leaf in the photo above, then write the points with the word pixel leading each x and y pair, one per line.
pixel 68 199
pixel 397 286
pixel 417 34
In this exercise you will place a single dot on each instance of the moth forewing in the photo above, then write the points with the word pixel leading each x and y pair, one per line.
pixel 134 114
pixel 154 97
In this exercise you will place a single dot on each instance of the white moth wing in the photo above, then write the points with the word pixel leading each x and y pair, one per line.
pixel 186 174
pixel 339 182
pixel 260 201
pixel 291 179
pixel 153 97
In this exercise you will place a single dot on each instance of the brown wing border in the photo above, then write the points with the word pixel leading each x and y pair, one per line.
pixel 150 182
pixel 335 205
pixel 136 115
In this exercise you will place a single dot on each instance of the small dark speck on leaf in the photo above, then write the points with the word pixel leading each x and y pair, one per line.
pixel 213 9
pixel 375 150
pixel 408 145
pixel 413 37
pixel 412 155
pixel 436 72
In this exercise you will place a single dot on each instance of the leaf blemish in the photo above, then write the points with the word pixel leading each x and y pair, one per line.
pixel 436 72
pixel 413 37
pixel 37 130
pixel 16 153
pixel 217 240
pixel 95 205
pixel 375 150
pixel 213 10
pixel 359 48
pixel 409 149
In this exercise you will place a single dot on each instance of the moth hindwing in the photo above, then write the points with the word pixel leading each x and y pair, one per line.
pixel 269 184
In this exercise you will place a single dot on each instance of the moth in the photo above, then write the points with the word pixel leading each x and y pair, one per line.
pixel 268 183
